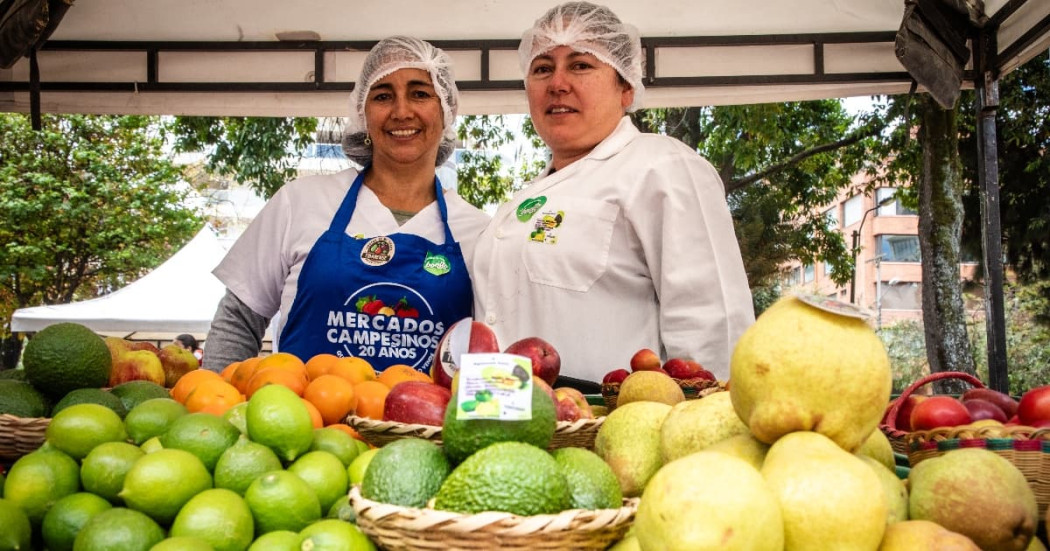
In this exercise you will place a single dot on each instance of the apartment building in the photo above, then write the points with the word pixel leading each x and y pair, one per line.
pixel 888 279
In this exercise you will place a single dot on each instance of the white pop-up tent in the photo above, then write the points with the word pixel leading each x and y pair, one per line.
pixel 179 296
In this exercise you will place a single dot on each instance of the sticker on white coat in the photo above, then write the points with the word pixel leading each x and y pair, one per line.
pixel 545 229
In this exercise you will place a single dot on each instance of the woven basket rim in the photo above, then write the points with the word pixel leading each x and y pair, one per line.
pixel 14 419
pixel 985 432
pixel 493 523
pixel 396 426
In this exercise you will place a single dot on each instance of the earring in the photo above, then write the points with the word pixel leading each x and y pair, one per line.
pixel 368 139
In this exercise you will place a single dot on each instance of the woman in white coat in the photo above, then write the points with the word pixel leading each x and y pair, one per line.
pixel 625 240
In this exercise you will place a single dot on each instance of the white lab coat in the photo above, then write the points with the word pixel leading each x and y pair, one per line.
pixel 262 268
pixel 644 256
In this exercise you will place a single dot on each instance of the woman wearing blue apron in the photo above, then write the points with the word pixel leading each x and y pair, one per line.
pixel 367 264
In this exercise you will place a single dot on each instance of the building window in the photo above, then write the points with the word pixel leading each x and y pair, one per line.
pixel 899 248
pixel 792 277
pixel 828 268
pixel 852 210
pixel 901 296
pixel 808 274
pixel 831 219
pixel 892 209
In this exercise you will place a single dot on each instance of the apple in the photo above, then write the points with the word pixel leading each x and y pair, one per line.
pixel 572 405
pixel 645 360
pixel 904 413
pixel 686 369
pixel 1004 401
pixel 546 363
pixel 1034 406
pixel 417 402
pixel 466 336
pixel 176 361
pixel 545 388
pixel 615 376
pixel 983 409
pixel 939 411
pixel 136 365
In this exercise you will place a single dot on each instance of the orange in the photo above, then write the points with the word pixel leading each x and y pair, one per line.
pixel 292 379
pixel 189 381
pixel 333 396
pixel 244 373
pixel 371 395
pixel 315 416
pixel 347 429
pixel 227 372
pixel 213 396
pixel 355 370
pixel 282 360
pixel 399 373
pixel 320 364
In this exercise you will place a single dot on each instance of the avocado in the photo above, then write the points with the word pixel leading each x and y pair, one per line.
pixel 91 396
pixel 592 483
pixel 133 393
pixel 16 374
pixel 462 437
pixel 406 472
pixel 512 477
pixel 20 399
pixel 64 357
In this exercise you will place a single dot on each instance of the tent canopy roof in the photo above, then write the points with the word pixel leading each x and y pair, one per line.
pixel 279 58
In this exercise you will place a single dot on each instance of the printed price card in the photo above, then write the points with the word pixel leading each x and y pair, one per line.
pixel 494 386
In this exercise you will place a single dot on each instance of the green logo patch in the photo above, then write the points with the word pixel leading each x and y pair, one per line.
pixel 437 264
pixel 529 207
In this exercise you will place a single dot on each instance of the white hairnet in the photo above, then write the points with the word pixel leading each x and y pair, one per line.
pixel 389 55
pixel 590 29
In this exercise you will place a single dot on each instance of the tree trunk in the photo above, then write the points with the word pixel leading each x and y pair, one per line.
pixel 940 224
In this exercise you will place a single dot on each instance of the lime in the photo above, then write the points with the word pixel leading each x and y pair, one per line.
pixel 202 434
pixel 242 463
pixel 279 540
pixel 182 543
pixel 80 427
pixel 91 396
pixel 219 517
pixel 334 535
pixel 152 418
pixel 118 529
pixel 1 482
pixel 357 468
pixel 235 415
pixel 277 418
pixel 67 516
pixel 342 510
pixel 133 393
pixel 15 530
pixel 280 500
pixel 152 445
pixel 337 443
pixel 362 446
pixel 102 472
pixel 160 483
pixel 39 479
pixel 325 474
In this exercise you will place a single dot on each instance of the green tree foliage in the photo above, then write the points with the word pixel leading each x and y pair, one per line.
pixel 483 178
pixel 255 151
pixel 88 204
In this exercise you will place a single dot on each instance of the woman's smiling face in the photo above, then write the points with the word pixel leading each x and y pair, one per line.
pixel 404 117
pixel 575 101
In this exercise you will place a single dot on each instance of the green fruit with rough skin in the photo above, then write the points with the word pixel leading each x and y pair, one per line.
pixel 91 396
pixel 977 493
pixel 592 484
pixel 463 437
pixel 406 472
pixel 802 368
pixel 133 393
pixel 21 399
pixel 629 441
pixel 64 357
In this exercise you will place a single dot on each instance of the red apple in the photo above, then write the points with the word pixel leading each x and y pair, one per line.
pixel 1034 406
pixel 1004 401
pixel 615 376
pixel 546 388
pixel 686 369
pixel 645 360
pixel 461 338
pixel 939 411
pixel 983 409
pixel 904 413
pixel 546 363
pixel 572 405
pixel 416 402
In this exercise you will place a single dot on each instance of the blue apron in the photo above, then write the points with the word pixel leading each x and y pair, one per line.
pixel 386 299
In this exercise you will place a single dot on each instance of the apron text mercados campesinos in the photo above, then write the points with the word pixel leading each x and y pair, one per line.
pixel 387 299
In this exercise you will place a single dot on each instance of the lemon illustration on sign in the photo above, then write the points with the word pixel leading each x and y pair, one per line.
pixel 276 417
pixel 66 517
pixel 499 378
pixel 488 408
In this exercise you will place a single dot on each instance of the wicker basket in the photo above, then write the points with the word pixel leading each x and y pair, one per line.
pixel 899 438
pixel 20 435
pixel 395 528
pixel 567 434
pixel 692 388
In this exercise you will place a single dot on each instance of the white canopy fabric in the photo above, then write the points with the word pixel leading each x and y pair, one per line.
pixel 280 58
pixel 179 296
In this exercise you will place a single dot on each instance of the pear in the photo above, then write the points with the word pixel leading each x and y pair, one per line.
pixel 1035 545
pixel 894 488
pixel 878 447
pixel 830 499
pixel 732 509
pixel 629 441
pixel 649 386
pixel 693 425
pixel 802 368
pixel 743 446
pixel 923 534
pixel 628 543
pixel 977 493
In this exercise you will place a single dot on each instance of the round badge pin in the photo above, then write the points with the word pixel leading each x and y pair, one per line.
pixel 529 207
pixel 377 251
pixel 833 306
